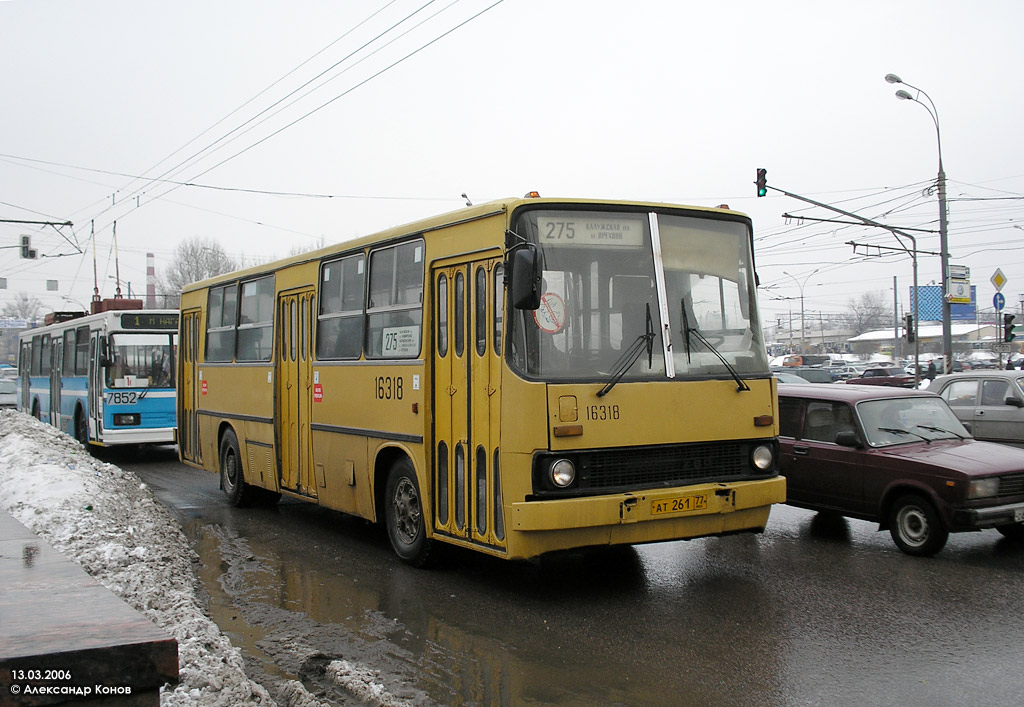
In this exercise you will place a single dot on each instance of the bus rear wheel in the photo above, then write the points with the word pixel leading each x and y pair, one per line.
pixel 403 515
pixel 232 480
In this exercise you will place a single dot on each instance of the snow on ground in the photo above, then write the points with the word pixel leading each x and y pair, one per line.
pixel 109 522
pixel 106 520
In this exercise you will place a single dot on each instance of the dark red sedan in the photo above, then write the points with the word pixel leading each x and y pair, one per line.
pixel 899 458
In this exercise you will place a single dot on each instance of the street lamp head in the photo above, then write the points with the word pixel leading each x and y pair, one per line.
pixel 893 78
pixel 904 96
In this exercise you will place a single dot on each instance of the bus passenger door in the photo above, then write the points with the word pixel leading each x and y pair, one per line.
pixel 188 401
pixel 56 366
pixel 97 376
pixel 466 395
pixel 293 378
pixel 25 366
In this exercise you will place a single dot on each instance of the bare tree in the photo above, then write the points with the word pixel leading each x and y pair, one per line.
pixel 194 259
pixel 297 249
pixel 23 306
pixel 868 312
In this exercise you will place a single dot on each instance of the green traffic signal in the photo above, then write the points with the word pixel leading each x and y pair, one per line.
pixel 762 181
pixel 1008 327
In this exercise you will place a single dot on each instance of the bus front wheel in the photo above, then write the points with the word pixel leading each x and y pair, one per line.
pixel 81 428
pixel 403 514
pixel 232 481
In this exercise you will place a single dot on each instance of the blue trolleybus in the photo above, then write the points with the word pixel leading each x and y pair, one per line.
pixel 106 379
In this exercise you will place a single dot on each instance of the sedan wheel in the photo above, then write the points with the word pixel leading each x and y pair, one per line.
pixel 915 526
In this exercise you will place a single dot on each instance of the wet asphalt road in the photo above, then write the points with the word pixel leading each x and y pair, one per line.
pixel 814 611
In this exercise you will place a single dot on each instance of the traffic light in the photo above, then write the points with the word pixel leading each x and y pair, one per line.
pixel 1008 327
pixel 762 181
pixel 26 246
pixel 908 322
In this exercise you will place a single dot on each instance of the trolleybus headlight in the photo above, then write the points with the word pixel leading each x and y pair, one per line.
pixel 127 419
pixel 762 457
pixel 562 473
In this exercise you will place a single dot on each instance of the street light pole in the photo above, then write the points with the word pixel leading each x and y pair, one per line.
pixel 803 333
pixel 947 328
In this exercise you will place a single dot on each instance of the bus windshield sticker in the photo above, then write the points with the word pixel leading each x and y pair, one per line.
pixel 550 316
pixel 401 341
pixel 566 229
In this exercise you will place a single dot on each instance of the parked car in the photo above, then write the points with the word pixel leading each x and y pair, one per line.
pixel 899 458
pixel 990 403
pixel 844 372
pixel 879 375
pixel 788 377
pixel 8 393
pixel 813 375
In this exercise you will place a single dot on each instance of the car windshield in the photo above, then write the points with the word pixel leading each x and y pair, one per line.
pixel 913 419
pixel 612 279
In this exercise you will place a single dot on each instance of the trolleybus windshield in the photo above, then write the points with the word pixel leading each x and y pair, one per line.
pixel 141 360
pixel 602 271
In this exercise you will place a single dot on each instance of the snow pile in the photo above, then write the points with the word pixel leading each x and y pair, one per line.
pixel 106 520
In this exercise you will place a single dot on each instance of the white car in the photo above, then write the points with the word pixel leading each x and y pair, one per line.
pixel 8 393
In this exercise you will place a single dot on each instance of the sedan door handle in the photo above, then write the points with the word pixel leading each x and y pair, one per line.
pixel 802 451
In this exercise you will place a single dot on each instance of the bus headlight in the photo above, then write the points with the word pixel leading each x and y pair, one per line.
pixel 562 473
pixel 127 419
pixel 762 457
pixel 982 488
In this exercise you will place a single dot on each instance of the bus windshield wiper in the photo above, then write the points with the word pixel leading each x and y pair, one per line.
pixel 741 385
pixel 631 354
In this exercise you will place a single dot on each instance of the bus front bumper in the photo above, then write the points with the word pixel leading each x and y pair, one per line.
pixel 138 435
pixel 647 516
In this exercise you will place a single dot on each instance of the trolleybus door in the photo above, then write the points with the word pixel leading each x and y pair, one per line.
pixel 25 364
pixel 466 395
pixel 56 365
pixel 294 384
pixel 188 401
pixel 97 375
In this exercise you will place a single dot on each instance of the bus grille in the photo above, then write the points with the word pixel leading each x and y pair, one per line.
pixel 636 468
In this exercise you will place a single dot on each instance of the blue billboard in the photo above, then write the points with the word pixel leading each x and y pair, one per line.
pixel 929 306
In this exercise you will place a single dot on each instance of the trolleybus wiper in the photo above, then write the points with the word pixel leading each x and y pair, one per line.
pixel 630 355
pixel 741 385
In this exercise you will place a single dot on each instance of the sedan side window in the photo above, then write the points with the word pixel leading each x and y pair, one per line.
pixel 789 417
pixel 827 419
pixel 961 393
pixel 994 392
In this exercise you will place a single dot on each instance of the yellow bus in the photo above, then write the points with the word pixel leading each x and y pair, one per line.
pixel 517 377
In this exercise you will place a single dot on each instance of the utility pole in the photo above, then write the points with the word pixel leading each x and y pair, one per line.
pixel 762 189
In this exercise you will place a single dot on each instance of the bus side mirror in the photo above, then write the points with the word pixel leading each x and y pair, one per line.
pixel 526 278
pixel 104 359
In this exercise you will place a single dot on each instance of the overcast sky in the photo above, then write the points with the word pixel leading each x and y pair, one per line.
pixel 664 101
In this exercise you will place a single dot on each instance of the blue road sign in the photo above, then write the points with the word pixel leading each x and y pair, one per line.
pixel 999 301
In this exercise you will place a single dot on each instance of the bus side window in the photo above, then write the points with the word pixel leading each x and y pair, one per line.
pixel 394 312
pixel 339 332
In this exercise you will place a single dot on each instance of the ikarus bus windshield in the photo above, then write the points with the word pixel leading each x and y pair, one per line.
pixel 639 296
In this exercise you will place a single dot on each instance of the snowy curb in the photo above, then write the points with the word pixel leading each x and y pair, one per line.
pixel 106 520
